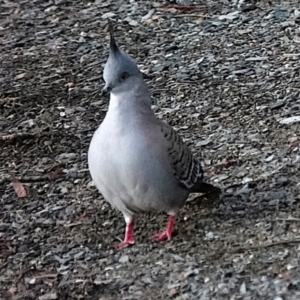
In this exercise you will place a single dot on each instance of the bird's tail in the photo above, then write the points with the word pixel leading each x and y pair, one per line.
pixel 205 188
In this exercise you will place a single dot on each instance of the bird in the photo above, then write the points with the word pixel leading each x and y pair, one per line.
pixel 138 162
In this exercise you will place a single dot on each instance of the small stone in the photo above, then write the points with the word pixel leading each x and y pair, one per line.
pixel 124 259
pixel 290 120
pixel 64 190
pixel 243 289
pixel 283 181
pixel 202 143
pixel 247 179
pixel 209 235
pixel 269 158
pixel 281 14
pixel 49 296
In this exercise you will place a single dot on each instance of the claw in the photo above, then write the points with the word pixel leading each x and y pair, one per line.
pixel 167 233
pixel 124 243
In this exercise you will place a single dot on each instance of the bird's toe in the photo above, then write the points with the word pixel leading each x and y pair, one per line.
pixel 124 243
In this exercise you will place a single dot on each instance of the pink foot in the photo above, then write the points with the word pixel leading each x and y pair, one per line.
pixel 124 243
pixel 128 239
pixel 167 233
pixel 161 236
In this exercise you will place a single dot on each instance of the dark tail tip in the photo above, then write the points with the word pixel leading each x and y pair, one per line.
pixel 113 46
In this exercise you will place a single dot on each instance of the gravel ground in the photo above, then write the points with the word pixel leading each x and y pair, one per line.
pixel 226 76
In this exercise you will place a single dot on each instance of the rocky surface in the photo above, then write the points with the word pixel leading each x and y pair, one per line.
pixel 225 75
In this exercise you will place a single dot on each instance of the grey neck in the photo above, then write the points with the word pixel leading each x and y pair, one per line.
pixel 138 98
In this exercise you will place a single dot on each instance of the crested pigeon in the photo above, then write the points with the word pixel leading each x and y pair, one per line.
pixel 137 162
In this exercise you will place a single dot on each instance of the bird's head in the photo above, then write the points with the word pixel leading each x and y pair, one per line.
pixel 121 71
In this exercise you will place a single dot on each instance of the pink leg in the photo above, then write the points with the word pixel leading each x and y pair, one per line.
pixel 167 233
pixel 128 239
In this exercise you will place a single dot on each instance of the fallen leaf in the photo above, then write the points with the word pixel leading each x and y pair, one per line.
pixel 13 290
pixel 18 187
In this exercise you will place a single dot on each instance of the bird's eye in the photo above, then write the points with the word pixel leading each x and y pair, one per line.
pixel 124 76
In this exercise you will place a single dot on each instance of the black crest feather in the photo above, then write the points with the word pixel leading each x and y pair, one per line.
pixel 113 46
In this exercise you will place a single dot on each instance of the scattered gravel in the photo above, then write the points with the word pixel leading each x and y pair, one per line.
pixel 225 75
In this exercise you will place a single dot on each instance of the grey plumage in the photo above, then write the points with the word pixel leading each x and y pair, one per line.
pixel 136 161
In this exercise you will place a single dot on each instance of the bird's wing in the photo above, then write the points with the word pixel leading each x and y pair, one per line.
pixel 186 168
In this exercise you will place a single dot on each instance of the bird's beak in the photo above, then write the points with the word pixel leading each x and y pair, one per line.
pixel 107 88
